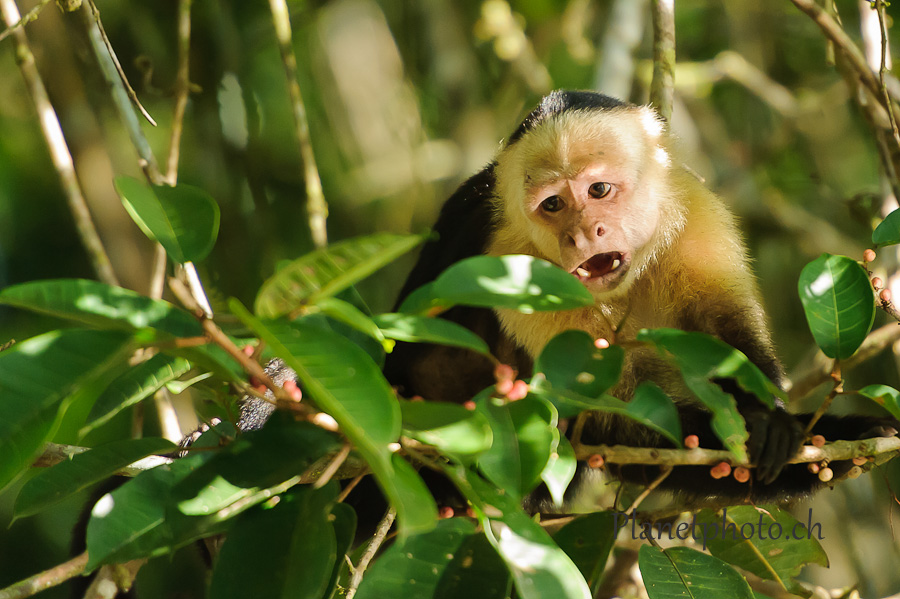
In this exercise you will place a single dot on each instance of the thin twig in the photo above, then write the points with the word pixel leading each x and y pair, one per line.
pixel 316 207
pixel 46 579
pixel 59 151
pixel 112 578
pixel 158 276
pixel 876 342
pixel 834 32
pixel 333 466
pixel 666 471
pixel 120 97
pixel 350 486
pixel 30 16
pixel 885 96
pixel 112 54
pixel 662 88
pixel 380 535
pixel 182 88
pixel 54 453
pixel 826 403
pixel 252 367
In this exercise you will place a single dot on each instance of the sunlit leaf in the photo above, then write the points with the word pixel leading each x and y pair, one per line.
pixel 839 304
pixel 36 378
pixel 184 218
pixel 420 329
pixel 325 272
pixel 137 384
pixel 520 282
pixel 100 305
pixel 52 485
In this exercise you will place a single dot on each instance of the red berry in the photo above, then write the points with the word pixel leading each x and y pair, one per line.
pixel 692 442
pixel 869 255
pixel 248 350
pixel 877 283
pixel 447 512
pixel 601 343
pixel 293 390
pixel 519 391
pixel 818 441
pixel 741 474
pixel 860 460
pixel 885 295
pixel 595 461
pixel 504 372
pixel 825 475
pixel 469 405
pixel 813 467
pixel 505 386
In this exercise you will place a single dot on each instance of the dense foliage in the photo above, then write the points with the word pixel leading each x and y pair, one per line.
pixel 93 360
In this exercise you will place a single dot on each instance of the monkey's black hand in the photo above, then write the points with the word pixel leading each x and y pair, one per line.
pixel 775 436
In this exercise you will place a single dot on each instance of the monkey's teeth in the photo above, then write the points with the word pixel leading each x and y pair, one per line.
pixel 615 264
pixel 582 272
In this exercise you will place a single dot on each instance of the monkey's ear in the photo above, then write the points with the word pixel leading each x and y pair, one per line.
pixel 462 230
pixel 653 124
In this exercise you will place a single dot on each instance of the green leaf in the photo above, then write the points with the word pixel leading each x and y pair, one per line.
pixel 650 406
pixel 421 329
pixel 256 459
pixel 451 428
pixel 523 442
pixel 769 543
pixel 345 383
pixel 343 519
pixel 184 218
pixel 888 231
pixel 682 572
pixel 37 379
pixel 475 572
pixel 325 272
pixel 100 305
pixel 587 540
pixel 139 520
pixel 137 384
pixel 519 282
pixel 571 361
pixel 887 397
pixel 284 551
pixel 702 359
pixel 352 316
pixel 422 302
pixel 55 484
pixel 560 468
pixel 414 569
pixel 839 304
pixel 539 567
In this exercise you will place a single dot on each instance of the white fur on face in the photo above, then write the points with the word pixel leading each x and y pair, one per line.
pixel 622 146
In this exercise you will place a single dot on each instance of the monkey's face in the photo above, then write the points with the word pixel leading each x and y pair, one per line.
pixel 583 192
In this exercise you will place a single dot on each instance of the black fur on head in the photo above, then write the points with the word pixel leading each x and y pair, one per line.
pixel 561 101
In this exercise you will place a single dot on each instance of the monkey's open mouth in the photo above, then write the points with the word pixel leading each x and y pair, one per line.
pixel 599 266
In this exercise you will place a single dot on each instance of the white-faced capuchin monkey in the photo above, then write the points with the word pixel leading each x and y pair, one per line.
pixel 591 184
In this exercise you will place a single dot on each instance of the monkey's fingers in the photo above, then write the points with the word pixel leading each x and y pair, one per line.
pixel 774 437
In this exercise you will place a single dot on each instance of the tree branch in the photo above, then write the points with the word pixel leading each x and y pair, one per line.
pixel 59 151
pixel 46 579
pixel 662 88
pixel 317 209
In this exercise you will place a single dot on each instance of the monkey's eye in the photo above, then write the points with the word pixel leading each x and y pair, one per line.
pixel 552 204
pixel 599 190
